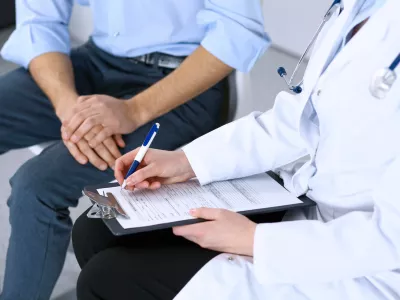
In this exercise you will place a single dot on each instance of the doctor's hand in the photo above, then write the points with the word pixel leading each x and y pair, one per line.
pixel 114 115
pixel 158 167
pixel 226 231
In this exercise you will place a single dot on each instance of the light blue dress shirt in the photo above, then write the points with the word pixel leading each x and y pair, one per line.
pixel 232 30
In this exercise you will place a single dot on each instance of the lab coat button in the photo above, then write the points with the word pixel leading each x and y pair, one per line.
pixel 230 258
pixel 318 92
pixel 116 34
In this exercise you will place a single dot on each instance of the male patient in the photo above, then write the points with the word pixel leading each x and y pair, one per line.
pixel 100 100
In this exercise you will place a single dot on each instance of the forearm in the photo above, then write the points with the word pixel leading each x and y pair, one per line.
pixel 196 74
pixel 53 73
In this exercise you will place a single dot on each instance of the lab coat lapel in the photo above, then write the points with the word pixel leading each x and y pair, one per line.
pixel 370 35
pixel 327 46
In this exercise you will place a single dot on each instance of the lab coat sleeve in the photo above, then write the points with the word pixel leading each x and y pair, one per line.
pixel 357 244
pixel 234 31
pixel 254 144
pixel 42 27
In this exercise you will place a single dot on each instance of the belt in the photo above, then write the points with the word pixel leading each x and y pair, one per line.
pixel 159 59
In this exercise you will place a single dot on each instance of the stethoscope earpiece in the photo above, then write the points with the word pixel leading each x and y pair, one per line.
pixel 282 71
pixel 297 89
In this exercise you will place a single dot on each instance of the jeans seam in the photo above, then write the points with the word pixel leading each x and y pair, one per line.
pixel 44 261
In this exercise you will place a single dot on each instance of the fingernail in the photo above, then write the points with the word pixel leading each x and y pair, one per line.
pixel 192 211
pixel 74 138
pixel 103 167
pixel 65 135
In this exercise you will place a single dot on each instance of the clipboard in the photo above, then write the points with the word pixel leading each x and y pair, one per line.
pixel 117 230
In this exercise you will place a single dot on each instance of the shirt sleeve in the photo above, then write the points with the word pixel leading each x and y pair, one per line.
pixel 42 27
pixel 234 31
pixel 251 145
pixel 355 245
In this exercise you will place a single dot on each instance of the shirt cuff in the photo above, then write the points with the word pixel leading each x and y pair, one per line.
pixel 32 40
pixel 234 44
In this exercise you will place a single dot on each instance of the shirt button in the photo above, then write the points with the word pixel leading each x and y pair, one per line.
pixel 116 34
pixel 319 92
pixel 230 258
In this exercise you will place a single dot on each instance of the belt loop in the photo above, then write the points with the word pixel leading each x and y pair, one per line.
pixel 156 60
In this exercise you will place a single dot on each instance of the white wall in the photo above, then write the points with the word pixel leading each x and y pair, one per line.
pixel 292 23
pixel 81 24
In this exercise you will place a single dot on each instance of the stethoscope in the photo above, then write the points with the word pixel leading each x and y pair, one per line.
pixel 381 83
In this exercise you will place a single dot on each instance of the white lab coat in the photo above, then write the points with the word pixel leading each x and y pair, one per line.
pixel 349 246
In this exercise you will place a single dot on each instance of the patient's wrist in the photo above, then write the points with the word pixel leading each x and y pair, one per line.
pixel 62 106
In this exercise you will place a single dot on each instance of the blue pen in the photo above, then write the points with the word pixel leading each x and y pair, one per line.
pixel 142 152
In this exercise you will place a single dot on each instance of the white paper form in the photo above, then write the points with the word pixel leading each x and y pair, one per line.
pixel 172 203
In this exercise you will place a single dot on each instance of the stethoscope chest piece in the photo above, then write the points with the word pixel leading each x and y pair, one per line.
pixel 382 82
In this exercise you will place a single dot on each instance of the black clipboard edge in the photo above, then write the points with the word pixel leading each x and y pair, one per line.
pixel 117 229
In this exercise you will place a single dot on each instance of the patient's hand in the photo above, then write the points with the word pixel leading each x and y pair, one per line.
pixel 158 167
pixel 102 156
pixel 112 114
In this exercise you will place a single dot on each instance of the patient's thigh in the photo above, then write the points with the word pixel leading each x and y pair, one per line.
pixel 26 115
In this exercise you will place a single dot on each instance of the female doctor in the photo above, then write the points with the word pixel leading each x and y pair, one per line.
pixel 346 121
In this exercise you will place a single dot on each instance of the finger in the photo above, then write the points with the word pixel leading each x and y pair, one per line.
pixel 92 133
pixel 119 140
pixel 94 159
pixel 143 174
pixel 141 185
pixel 86 126
pixel 76 153
pixel 100 137
pixel 123 163
pixel 151 184
pixel 77 108
pixel 195 230
pixel 112 147
pixel 207 213
pixel 106 155
pixel 84 98
pixel 130 188
pixel 155 185
pixel 75 122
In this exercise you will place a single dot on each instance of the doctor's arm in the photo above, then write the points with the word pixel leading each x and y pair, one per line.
pixel 355 245
pixel 254 144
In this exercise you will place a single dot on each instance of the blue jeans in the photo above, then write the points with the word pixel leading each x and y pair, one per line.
pixel 46 186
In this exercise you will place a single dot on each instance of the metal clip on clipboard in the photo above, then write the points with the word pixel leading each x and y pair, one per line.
pixel 105 207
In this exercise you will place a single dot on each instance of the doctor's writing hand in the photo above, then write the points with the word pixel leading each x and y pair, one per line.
pixel 157 168
pixel 114 115
pixel 226 231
